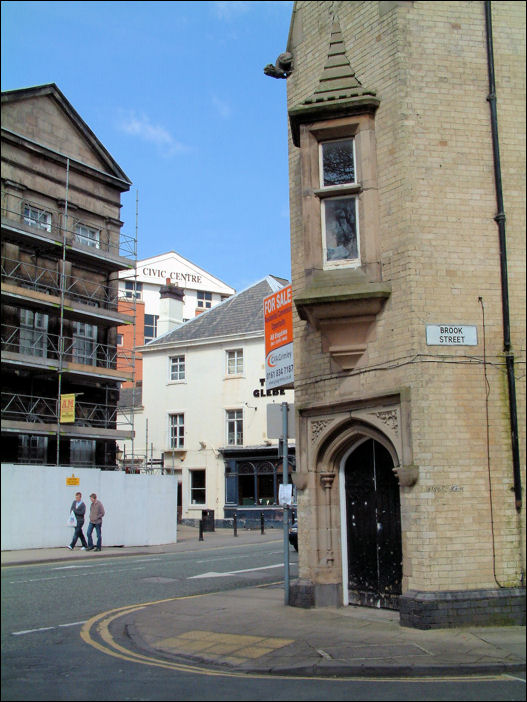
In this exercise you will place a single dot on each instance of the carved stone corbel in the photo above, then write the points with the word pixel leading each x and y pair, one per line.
pixel 407 475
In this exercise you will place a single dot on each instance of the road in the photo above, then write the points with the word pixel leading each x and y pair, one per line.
pixel 44 658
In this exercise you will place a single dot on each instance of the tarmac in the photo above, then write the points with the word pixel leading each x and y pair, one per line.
pixel 250 630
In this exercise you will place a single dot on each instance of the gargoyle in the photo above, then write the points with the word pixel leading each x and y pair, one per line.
pixel 282 68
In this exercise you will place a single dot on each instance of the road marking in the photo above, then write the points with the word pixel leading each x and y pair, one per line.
pixel 513 677
pixel 212 574
pixel 222 558
pixel 75 566
pixel 46 628
pixel 99 627
pixel 104 564
pixel 70 575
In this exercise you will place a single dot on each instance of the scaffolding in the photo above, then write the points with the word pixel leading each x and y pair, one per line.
pixel 61 289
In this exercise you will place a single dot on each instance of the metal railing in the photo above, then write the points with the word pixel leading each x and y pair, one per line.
pixel 42 344
pixel 33 215
pixel 48 281
pixel 46 410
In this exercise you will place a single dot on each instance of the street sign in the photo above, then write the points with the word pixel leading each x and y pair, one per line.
pixel 278 319
pixel 451 335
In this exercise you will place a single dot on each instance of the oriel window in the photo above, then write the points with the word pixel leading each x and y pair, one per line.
pixel 339 203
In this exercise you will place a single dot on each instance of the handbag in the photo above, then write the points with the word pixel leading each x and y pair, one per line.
pixel 72 520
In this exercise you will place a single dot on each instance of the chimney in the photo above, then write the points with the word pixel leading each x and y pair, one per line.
pixel 170 308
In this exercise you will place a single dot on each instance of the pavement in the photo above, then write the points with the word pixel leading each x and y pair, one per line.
pixel 249 630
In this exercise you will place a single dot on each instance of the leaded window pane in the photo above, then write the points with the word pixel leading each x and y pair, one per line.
pixel 338 162
pixel 340 219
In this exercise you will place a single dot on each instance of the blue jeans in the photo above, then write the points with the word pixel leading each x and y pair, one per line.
pixel 97 528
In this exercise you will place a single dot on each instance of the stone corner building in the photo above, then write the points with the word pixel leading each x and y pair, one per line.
pixel 407 164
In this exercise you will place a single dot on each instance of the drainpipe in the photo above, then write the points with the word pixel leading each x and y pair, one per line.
pixel 500 219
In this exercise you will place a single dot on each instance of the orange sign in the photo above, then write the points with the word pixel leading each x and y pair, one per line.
pixel 278 314
pixel 278 318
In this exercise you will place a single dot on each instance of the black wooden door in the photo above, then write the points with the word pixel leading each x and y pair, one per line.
pixel 374 527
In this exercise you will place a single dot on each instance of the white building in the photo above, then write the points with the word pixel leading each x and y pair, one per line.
pixel 203 414
pixel 201 289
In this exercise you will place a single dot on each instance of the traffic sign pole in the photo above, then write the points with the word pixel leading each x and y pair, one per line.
pixel 286 507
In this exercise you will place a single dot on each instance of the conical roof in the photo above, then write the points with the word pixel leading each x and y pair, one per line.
pixel 338 80
pixel 339 92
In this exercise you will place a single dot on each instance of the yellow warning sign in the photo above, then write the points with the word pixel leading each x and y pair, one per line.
pixel 67 409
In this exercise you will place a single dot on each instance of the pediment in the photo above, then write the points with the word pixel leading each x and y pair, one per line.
pixel 180 270
pixel 43 115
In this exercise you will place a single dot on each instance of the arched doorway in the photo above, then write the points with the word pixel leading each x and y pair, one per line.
pixel 373 526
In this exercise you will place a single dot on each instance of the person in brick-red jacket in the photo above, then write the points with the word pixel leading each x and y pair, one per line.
pixel 96 515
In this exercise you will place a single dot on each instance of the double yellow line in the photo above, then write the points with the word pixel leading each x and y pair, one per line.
pixel 96 633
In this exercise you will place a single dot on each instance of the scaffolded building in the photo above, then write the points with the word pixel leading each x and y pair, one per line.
pixel 62 249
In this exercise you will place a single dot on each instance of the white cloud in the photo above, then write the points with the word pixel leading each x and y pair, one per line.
pixel 230 10
pixel 222 108
pixel 143 128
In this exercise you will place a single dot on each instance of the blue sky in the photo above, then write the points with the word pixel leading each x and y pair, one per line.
pixel 177 94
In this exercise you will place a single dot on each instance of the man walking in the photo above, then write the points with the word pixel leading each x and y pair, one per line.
pixel 79 509
pixel 96 515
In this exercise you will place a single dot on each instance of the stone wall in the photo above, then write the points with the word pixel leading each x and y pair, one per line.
pixel 439 251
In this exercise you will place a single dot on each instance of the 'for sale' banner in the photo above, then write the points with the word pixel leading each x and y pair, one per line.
pixel 278 315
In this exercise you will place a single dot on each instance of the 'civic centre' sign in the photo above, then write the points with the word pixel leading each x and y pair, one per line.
pixel 451 335
pixel 278 316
